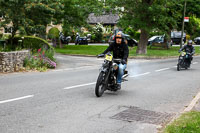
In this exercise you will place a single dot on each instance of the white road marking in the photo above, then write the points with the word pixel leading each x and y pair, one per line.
pixel 76 86
pixel 139 75
pixel 193 103
pixel 195 63
pixel 162 69
pixel 77 68
pixel 16 99
pixel 174 66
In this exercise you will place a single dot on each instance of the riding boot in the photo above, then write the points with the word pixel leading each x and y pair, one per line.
pixel 118 86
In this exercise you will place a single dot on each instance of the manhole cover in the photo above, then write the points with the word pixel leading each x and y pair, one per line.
pixel 145 116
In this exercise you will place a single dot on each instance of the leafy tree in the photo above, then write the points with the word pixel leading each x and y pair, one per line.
pixel 13 13
pixel 193 27
pixel 147 16
pixel 29 16
pixel 40 13
pixel 76 13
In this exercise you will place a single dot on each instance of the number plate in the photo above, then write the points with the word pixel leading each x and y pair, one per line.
pixel 184 53
pixel 109 58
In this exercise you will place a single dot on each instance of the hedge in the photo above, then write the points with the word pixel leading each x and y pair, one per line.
pixel 53 33
pixel 32 43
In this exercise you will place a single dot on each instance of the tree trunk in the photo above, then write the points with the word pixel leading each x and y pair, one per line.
pixel 12 37
pixel 142 46
pixel 61 45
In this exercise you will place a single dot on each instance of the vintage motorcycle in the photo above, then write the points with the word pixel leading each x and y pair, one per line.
pixel 63 39
pixel 183 61
pixel 107 79
pixel 81 40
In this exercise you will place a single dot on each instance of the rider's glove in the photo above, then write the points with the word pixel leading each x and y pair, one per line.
pixel 100 55
pixel 123 61
pixel 179 51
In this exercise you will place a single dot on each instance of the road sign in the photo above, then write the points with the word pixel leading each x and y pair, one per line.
pixel 186 19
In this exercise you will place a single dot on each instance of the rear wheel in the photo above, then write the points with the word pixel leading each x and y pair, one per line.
pixel 100 86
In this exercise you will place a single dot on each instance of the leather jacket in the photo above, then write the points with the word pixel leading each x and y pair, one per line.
pixel 189 49
pixel 119 50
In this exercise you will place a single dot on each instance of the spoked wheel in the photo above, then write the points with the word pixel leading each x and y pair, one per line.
pixel 100 86
pixel 178 67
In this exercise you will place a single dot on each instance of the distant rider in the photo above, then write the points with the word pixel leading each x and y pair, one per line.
pixel 121 51
pixel 190 50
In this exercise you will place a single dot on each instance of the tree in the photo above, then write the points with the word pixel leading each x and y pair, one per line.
pixel 40 13
pixel 13 13
pixel 32 16
pixel 147 16
pixel 76 12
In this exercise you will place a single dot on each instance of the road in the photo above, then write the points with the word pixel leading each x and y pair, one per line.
pixel 63 100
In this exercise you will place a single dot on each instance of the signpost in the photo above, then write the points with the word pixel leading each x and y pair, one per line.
pixel 186 19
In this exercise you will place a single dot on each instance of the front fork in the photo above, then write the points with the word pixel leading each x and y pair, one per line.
pixel 106 76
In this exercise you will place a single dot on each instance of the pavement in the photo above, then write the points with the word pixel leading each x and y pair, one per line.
pixel 196 106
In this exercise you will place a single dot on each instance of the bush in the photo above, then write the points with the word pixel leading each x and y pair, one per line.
pixel 6 36
pixel 30 42
pixel 134 34
pixel 1 35
pixel 137 35
pixel 53 33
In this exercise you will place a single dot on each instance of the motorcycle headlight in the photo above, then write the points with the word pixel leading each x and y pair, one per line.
pixel 115 66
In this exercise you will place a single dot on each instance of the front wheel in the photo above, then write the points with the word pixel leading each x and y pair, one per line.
pixel 178 67
pixel 100 86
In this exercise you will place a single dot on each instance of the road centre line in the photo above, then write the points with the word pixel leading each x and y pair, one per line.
pixel 195 63
pixel 68 69
pixel 163 69
pixel 139 75
pixel 76 86
pixel 16 99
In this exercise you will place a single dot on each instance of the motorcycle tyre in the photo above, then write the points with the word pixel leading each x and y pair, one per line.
pixel 99 89
pixel 178 67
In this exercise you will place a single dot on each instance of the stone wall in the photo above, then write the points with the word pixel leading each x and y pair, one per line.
pixel 12 61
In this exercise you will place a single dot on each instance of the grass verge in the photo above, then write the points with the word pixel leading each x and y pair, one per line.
pixel 95 50
pixel 186 123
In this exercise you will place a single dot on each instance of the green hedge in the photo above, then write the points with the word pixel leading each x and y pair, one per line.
pixel 31 42
pixel 53 33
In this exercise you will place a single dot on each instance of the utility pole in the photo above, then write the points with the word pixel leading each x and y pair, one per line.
pixel 183 24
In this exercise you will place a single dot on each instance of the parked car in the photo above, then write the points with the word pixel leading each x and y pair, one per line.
pixel 131 42
pixel 197 40
pixel 176 37
pixel 156 39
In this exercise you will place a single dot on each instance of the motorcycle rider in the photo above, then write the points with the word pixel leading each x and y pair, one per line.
pixel 190 50
pixel 120 50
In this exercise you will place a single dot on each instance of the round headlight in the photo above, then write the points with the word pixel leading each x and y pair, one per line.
pixel 115 66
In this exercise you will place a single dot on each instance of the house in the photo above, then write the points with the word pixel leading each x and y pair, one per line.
pixel 105 19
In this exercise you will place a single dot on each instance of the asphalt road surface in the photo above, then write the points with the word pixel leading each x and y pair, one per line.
pixel 63 100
